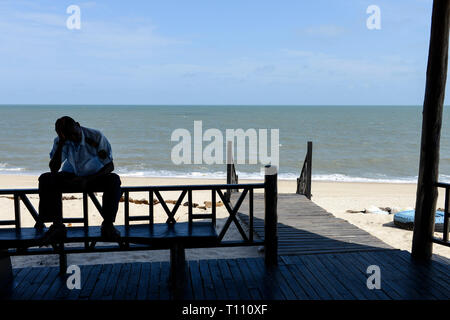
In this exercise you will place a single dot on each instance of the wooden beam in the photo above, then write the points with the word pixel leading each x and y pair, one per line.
pixel 431 132
pixel 6 276
pixel 270 216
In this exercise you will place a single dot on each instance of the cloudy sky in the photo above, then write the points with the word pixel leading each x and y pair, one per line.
pixel 214 52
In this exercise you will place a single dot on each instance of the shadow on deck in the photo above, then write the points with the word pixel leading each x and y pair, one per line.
pixel 306 228
pixel 320 258
pixel 297 277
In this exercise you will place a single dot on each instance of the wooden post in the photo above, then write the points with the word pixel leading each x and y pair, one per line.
pixel 270 216
pixel 177 266
pixel 427 193
pixel 309 170
pixel 446 216
pixel 6 276
pixel 62 259
pixel 229 168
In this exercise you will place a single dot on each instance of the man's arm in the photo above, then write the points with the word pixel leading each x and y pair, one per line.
pixel 84 181
pixel 107 168
pixel 55 162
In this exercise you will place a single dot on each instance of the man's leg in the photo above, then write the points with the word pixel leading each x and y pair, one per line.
pixel 50 203
pixel 111 197
pixel 109 184
pixel 51 186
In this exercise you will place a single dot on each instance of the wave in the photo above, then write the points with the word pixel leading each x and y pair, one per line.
pixel 6 169
pixel 345 178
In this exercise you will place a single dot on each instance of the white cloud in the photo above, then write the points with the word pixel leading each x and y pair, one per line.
pixel 41 32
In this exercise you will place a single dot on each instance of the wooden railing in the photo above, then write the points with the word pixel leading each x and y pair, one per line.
pixel 232 177
pixel 304 181
pixel 445 230
pixel 270 191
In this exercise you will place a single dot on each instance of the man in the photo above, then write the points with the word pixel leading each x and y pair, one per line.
pixel 87 164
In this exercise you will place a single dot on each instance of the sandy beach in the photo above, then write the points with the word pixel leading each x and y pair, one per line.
pixel 335 197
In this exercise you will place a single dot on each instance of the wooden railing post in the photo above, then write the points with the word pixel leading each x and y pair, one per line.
pixel 304 181
pixel 229 168
pixel 309 170
pixel 427 194
pixel 446 215
pixel 270 215
pixel 6 276
pixel 232 177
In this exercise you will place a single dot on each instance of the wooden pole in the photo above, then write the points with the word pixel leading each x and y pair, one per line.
pixel 427 193
pixel 229 167
pixel 270 216
pixel 309 170
pixel 6 276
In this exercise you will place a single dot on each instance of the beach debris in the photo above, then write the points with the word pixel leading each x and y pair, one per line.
pixel 396 209
pixel 373 209
pixel 355 211
pixel 141 201
pixel 70 198
pixel 208 204
pixel 202 207
pixel 171 201
pixel 194 205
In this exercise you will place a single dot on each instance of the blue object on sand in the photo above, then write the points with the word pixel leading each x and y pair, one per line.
pixel 405 220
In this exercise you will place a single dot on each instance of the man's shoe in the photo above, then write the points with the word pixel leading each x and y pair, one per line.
pixel 56 233
pixel 110 233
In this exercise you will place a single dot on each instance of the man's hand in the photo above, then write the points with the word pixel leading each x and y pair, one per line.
pixel 61 137
pixel 55 162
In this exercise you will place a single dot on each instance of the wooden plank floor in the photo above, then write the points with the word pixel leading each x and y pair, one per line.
pixel 320 258
pixel 333 276
pixel 306 228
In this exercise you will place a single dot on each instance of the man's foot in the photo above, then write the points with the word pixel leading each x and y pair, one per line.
pixel 110 233
pixel 56 233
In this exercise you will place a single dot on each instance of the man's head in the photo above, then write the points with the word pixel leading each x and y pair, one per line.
pixel 68 129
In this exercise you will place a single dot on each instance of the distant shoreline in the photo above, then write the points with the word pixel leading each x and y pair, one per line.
pixel 245 177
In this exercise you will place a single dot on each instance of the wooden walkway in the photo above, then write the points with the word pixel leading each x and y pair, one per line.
pixel 306 228
pixel 297 277
pixel 320 258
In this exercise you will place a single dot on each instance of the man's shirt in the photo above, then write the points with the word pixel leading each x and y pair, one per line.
pixel 87 157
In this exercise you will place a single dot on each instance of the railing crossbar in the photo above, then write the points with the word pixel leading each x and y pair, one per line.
pixel 21 195
pixel 446 227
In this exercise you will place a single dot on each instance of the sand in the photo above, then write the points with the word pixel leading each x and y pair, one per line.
pixel 338 197
pixel 335 197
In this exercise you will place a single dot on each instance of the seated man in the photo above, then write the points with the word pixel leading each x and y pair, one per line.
pixel 87 165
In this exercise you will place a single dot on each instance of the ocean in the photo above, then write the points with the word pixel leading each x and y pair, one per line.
pixel 350 143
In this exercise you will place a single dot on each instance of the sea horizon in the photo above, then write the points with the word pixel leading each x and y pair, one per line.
pixel 351 143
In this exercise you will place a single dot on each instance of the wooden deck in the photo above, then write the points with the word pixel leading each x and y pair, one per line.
pixel 320 258
pixel 297 277
pixel 306 228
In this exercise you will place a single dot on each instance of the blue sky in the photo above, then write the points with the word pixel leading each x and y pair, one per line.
pixel 214 52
